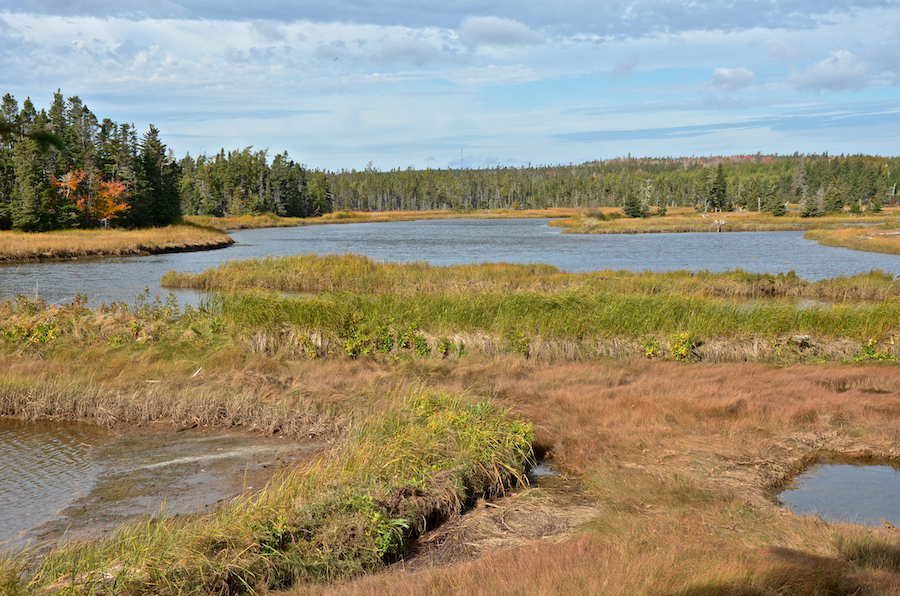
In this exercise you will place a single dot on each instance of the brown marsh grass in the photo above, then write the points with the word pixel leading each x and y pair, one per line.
pixel 681 461
pixel 69 244
pixel 244 222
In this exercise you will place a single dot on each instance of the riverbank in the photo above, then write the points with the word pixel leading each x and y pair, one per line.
pixel 269 220
pixel 610 220
pixel 883 238
pixel 80 244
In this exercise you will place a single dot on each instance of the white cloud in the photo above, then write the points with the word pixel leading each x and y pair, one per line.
pixel 841 71
pixel 104 7
pixel 732 79
pixel 494 86
pixel 494 31
pixel 886 60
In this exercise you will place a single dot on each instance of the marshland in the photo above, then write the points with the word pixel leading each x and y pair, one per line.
pixel 673 405
pixel 367 407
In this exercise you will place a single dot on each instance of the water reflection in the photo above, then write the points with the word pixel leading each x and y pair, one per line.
pixel 863 495
pixel 46 467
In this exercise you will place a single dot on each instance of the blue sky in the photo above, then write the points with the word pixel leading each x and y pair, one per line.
pixel 401 83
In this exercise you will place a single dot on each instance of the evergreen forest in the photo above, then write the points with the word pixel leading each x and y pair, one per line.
pixel 98 173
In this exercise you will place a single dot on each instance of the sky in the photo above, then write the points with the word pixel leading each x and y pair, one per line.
pixel 402 83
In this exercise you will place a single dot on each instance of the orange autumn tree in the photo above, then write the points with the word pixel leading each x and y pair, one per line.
pixel 110 200
pixel 99 202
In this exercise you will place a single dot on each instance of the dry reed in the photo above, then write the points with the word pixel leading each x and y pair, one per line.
pixel 70 244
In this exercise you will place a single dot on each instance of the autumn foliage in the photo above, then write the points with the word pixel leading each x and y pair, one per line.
pixel 100 201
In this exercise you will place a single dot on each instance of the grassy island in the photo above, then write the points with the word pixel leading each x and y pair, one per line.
pixel 673 406
pixel 73 244
pixel 869 232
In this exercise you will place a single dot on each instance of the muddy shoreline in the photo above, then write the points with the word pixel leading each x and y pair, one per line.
pixel 158 468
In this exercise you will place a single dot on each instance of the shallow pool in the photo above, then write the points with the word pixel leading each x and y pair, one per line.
pixel 860 494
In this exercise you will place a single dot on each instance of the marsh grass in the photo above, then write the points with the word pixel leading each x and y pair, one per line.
pixel 68 244
pixel 313 273
pixel 354 305
pixel 270 220
pixel 883 239
pixel 679 220
pixel 393 314
pixel 680 461
pixel 245 222
pixel 681 458
pixel 398 473
pixel 590 322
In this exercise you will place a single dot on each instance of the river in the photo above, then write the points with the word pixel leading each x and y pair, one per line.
pixel 445 242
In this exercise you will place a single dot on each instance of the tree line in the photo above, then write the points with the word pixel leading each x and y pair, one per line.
pixel 99 173
pixel 819 183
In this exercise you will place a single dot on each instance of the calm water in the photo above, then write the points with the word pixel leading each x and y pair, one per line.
pixel 445 242
pixel 863 495
pixel 85 480
pixel 46 468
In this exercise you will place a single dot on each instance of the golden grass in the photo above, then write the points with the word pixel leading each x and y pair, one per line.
pixel 883 239
pixel 270 220
pixel 244 222
pixel 682 219
pixel 69 244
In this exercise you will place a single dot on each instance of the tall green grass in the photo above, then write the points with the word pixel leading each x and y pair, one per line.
pixel 574 314
pixel 396 475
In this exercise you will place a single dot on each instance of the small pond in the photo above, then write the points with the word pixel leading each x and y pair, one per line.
pixel 846 493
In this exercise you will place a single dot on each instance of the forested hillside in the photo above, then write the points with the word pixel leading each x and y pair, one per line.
pixel 102 173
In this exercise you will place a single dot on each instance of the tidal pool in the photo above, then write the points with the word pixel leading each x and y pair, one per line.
pixel 859 494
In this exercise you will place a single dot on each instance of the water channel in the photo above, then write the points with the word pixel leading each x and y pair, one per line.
pixel 445 242
pixel 51 461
